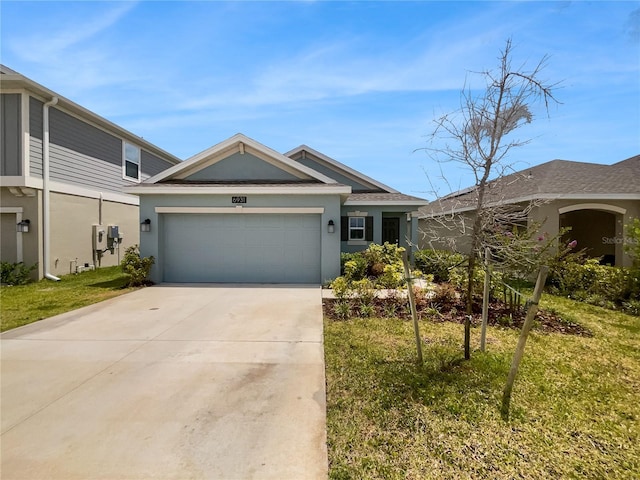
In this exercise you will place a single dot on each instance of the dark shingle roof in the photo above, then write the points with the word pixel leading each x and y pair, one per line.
pixel 550 180
pixel 384 197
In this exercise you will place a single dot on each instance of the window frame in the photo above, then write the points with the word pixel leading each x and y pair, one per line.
pixel 357 228
pixel 137 161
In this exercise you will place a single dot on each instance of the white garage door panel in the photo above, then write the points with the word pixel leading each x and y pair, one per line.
pixel 241 248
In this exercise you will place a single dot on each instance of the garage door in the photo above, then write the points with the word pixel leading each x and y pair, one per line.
pixel 242 248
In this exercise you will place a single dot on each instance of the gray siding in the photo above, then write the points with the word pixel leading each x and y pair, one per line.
pixel 82 154
pixel 10 143
pixel 69 132
pixel 76 168
pixel 152 165
pixel 35 137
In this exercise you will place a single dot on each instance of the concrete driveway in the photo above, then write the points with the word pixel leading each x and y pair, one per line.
pixel 172 381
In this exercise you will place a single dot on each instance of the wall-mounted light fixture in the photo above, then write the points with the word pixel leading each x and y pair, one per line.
pixel 23 226
pixel 331 227
pixel 145 226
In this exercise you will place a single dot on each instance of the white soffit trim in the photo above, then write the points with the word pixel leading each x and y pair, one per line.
pixel 240 209
pixel 160 189
pixel 59 187
pixel 592 206
pixel 231 145
pixel 340 167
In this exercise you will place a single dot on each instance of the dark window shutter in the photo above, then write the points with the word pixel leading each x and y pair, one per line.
pixel 344 228
pixel 368 229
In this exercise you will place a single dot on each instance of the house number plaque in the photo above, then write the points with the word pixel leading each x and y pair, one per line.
pixel 238 199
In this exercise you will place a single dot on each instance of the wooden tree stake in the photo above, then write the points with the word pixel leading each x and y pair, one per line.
pixel 517 356
pixel 412 304
pixel 485 300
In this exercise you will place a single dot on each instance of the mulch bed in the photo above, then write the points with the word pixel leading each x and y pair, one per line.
pixel 499 315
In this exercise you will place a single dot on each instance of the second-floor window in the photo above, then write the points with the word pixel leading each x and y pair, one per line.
pixel 131 162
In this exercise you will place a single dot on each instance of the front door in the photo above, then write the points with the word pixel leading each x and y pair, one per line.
pixel 390 230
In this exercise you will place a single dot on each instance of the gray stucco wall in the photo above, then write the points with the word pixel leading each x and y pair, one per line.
pixel 241 167
pixel 151 243
pixel 408 229
pixel 320 167
pixel 10 142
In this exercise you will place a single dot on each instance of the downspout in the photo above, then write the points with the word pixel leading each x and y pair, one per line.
pixel 45 189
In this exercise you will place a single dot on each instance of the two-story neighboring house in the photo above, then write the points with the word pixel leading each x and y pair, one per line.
pixel 63 169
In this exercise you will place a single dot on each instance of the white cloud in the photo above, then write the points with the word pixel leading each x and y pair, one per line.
pixel 49 45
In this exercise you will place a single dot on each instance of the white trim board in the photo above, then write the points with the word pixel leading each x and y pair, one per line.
pixel 235 190
pixel 242 210
pixel 592 206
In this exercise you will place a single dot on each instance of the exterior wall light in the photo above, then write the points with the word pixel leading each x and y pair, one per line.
pixel 331 227
pixel 145 226
pixel 23 226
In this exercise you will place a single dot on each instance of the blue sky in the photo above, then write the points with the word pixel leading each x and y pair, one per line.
pixel 358 81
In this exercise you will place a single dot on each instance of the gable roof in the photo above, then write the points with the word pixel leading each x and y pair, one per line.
pixel 340 168
pixel 557 179
pixel 10 79
pixel 242 144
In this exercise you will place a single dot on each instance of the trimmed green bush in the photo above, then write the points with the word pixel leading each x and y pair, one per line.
pixel 16 273
pixel 438 263
pixel 136 267
pixel 602 285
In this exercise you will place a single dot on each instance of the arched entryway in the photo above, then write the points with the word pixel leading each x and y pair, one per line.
pixel 597 229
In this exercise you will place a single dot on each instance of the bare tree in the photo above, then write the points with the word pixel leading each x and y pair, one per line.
pixel 480 135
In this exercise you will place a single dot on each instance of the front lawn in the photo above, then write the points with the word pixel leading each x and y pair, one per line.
pixel 24 304
pixel 575 408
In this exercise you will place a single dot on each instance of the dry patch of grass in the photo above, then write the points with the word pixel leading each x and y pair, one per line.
pixel 24 304
pixel 575 410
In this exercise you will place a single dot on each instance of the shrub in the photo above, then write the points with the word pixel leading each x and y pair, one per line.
pixel 445 294
pixel 382 264
pixel 15 273
pixel 588 281
pixel 353 265
pixel 632 241
pixel 136 267
pixel 342 309
pixel 438 263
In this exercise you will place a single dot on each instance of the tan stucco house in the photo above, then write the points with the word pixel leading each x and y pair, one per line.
pixel 595 200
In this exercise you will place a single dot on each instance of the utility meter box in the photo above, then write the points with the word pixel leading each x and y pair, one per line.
pixel 112 231
pixel 99 237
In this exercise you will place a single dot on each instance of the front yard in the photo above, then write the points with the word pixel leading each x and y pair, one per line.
pixel 24 304
pixel 575 409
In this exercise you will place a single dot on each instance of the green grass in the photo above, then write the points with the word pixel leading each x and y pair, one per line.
pixel 575 408
pixel 24 304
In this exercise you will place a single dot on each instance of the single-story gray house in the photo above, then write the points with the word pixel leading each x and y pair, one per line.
pixel 594 200
pixel 241 212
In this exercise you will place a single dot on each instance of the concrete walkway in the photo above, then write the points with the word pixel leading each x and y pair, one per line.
pixel 169 382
